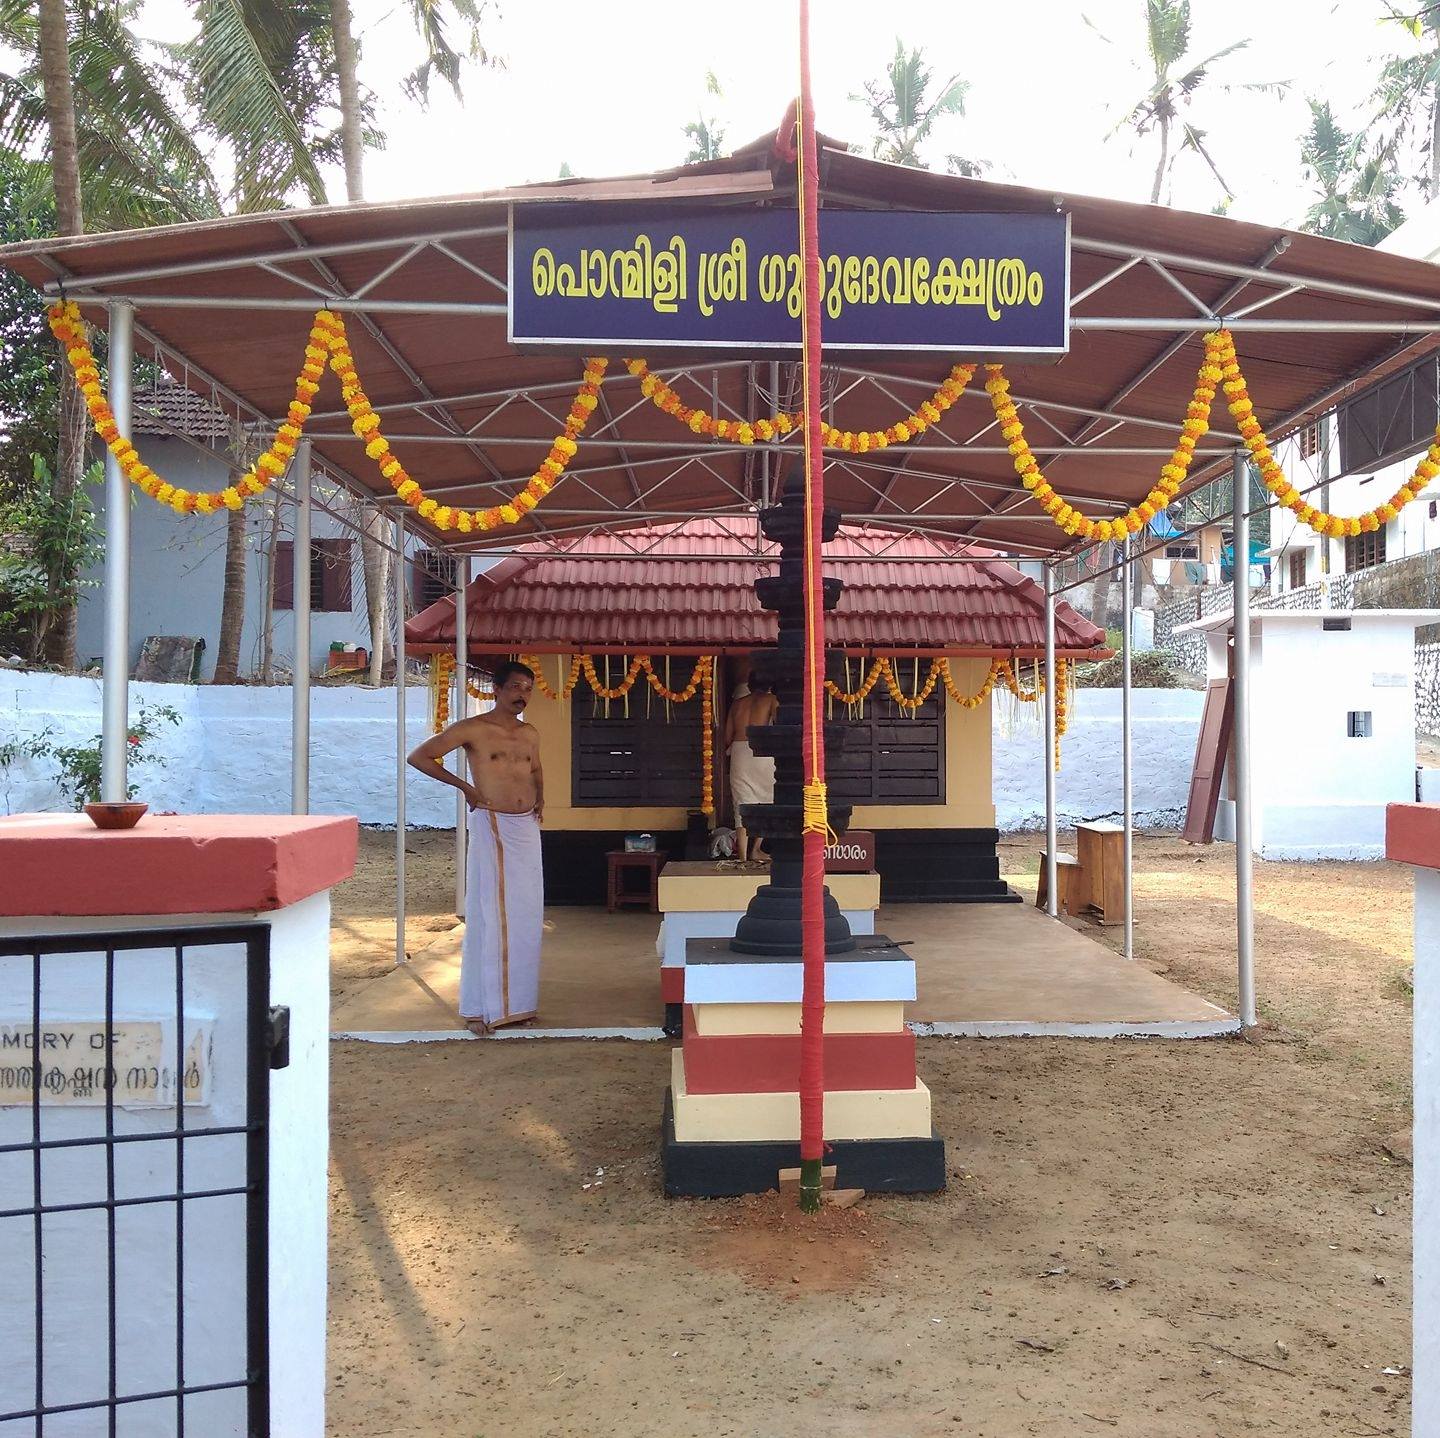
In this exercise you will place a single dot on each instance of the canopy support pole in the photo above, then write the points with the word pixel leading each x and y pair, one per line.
pixel 300 476
pixel 1052 827
pixel 1240 753
pixel 115 683
pixel 462 711
pixel 1127 801
pixel 400 747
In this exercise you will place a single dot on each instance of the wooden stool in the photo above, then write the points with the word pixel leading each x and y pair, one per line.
pixel 1101 851
pixel 1066 868
pixel 618 862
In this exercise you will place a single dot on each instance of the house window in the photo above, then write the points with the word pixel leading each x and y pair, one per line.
pixel 646 757
pixel 1364 551
pixel 1309 441
pixel 330 564
pixel 434 580
pixel 888 757
pixel 1182 551
pixel 1298 561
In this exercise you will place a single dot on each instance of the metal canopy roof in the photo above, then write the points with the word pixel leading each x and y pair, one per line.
pixel 224 305
pixel 690 588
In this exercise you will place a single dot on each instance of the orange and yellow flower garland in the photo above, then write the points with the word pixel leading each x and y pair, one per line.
pixel 1001 671
pixel 707 738
pixel 69 329
pixel 747 431
pixel 1172 474
pixel 442 670
pixel 327 341
pixel 1333 526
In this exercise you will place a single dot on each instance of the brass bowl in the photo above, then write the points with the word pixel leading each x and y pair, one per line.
pixel 115 816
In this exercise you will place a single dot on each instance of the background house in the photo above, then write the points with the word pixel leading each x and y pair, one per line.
pixel 178 568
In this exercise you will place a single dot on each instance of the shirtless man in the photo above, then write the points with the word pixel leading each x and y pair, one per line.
pixel 752 778
pixel 504 882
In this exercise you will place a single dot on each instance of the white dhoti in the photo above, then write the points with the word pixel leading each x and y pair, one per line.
pixel 504 914
pixel 752 778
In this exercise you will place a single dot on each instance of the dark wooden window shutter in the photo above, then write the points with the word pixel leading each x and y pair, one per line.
pixel 890 758
pixel 284 574
pixel 332 564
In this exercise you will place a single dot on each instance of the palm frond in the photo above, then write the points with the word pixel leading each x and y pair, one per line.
pixel 244 104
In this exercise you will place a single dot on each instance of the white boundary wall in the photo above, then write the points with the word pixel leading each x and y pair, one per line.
pixel 230 753
pixel 1165 723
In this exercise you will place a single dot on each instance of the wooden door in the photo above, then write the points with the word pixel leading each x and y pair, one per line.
pixel 1211 749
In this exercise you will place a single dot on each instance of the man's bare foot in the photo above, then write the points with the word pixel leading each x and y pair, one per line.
pixel 478 1027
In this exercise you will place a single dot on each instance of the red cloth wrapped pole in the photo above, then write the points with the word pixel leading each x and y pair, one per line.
pixel 812 1006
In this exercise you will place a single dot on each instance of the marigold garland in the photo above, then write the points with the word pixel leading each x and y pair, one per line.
pixel 328 341
pixel 68 328
pixel 1172 474
pixel 747 431
pixel 1001 672
pixel 442 670
pixel 1333 526
pixel 707 738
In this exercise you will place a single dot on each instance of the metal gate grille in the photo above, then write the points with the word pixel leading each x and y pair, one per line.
pixel 147 1246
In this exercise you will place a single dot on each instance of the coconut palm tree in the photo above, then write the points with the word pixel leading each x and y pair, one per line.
pixel 432 19
pixel 1408 96
pixel 1356 199
pixel 706 136
pixel 904 114
pixel 88 109
pixel 256 64
pixel 1176 77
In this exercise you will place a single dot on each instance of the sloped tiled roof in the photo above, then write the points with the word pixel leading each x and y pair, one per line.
pixel 168 408
pixel 583 597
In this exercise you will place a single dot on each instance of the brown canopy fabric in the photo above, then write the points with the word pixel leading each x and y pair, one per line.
pixel 225 305
pixel 685 589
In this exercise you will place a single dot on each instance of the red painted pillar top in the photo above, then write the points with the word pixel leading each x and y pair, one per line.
pixel 60 864
pixel 1412 834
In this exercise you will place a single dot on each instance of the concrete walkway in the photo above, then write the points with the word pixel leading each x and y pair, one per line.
pixel 987 970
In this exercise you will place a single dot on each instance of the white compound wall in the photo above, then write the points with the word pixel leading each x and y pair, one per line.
pixel 231 752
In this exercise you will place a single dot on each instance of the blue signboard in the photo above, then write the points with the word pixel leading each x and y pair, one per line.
pixel 606 279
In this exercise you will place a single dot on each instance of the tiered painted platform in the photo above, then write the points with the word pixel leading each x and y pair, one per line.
pixel 704 900
pixel 732 1113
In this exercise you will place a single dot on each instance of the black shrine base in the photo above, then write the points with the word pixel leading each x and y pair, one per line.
pixel 727 1170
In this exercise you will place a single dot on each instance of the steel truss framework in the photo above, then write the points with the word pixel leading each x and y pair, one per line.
pixel 952 484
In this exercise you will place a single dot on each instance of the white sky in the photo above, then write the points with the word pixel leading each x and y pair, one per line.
pixel 607 88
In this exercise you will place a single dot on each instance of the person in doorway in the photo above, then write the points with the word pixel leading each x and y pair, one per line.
pixel 504 882
pixel 752 778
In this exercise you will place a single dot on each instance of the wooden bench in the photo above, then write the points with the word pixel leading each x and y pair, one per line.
pixel 1101 889
pixel 1066 870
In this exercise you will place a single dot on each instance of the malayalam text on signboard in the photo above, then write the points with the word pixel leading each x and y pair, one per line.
pixel 594 278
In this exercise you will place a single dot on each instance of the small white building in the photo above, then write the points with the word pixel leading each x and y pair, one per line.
pixel 1332 726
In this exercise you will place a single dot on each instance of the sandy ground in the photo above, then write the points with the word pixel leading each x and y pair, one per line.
pixel 1147 1238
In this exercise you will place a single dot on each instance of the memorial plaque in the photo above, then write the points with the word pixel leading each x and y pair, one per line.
pixel 74 1072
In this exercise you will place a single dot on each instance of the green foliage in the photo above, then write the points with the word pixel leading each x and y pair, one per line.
pixel 904 115
pixel 1407 98
pixel 1177 77
pixel 78 765
pixel 706 135
pixel 1356 199
pixel 29 369
pixel 139 160
pixel 433 19
pixel 1149 669
pixel 48 538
